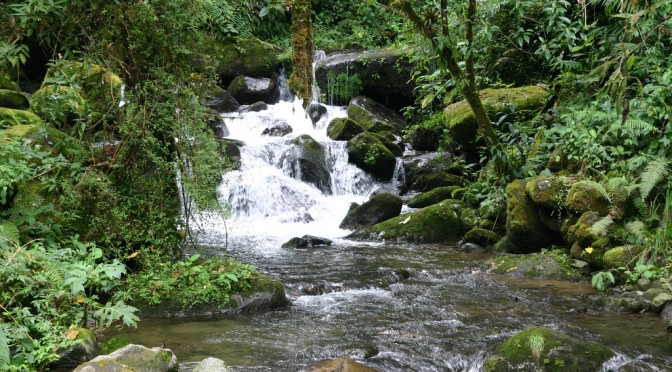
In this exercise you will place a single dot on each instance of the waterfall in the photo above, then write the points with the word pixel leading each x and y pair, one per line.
pixel 318 56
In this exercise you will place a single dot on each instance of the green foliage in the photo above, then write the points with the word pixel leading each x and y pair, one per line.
pixel 602 279
pixel 536 343
pixel 188 282
pixel 4 351
pixel 342 87
pixel 47 290
pixel 226 18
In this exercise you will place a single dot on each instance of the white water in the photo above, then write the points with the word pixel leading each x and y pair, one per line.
pixel 266 203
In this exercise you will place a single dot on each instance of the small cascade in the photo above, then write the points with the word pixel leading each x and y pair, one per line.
pixel 318 56
pixel 285 93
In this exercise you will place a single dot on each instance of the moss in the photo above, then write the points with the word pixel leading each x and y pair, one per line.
pixel 438 223
pixel 524 229
pixel 459 119
pixel 559 352
pixel 374 117
pixel 553 265
pixel 481 237
pixel 343 129
pixel 10 117
pixel 368 152
pixel 432 197
pixel 623 256
pixel 548 191
pixel 6 82
pixel 13 99
pixel 427 182
pixel 584 196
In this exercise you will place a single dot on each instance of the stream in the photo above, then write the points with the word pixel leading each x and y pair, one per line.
pixel 394 307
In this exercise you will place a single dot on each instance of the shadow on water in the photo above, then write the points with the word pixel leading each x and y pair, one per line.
pixel 397 308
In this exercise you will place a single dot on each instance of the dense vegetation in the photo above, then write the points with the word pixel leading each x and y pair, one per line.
pixel 75 218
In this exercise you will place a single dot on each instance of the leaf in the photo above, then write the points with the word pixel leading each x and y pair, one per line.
pixel 589 250
pixel 133 255
pixel 264 12
pixel 4 351
pixel 71 334
pixel 655 172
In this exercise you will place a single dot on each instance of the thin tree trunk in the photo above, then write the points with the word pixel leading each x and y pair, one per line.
pixel 301 80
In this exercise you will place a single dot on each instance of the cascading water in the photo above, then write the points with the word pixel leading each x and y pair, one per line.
pixel 393 307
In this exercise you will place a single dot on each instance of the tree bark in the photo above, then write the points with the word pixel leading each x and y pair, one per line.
pixel 301 79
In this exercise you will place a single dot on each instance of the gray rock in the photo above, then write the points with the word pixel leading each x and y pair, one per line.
pixel 379 208
pixel 247 90
pixel 217 125
pixel 85 349
pixel 315 112
pixel 134 357
pixel 256 107
pixel 212 365
pixel 306 161
pixel 666 314
pixel 220 100
pixel 307 241
pixel 277 129
pixel 662 299
pixel 375 117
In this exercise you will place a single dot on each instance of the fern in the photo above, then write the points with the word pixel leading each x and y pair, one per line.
pixel 600 188
pixel 637 229
pixel 639 126
pixel 655 172
pixel 4 351
pixel 600 227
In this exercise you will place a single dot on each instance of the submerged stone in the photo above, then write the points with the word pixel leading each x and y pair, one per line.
pixel 307 241
pixel 542 349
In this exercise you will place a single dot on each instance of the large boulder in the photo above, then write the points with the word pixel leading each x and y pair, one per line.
pixel 385 75
pixel 306 160
pixel 548 191
pixel 524 229
pixel 369 153
pixel 588 196
pixel 136 358
pixel 459 119
pixel 13 99
pixel 542 349
pixel 94 96
pixel 278 128
pixel 220 100
pixel 621 256
pixel 433 196
pixel 424 138
pixel 315 112
pixel 343 129
pixel 251 57
pixel 379 208
pixel 342 364
pixel 374 117
pixel 85 349
pixel 438 223
pixel 11 117
pixel 248 90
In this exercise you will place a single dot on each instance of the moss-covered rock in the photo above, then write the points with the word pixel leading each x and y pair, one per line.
pixel 135 357
pixel 10 117
pixel 6 82
pixel 48 138
pixel 306 161
pixel 375 117
pixel 438 223
pixel 432 197
pixel 343 129
pixel 524 229
pixel 427 182
pixel 423 138
pixel 379 208
pixel 95 96
pixel 585 244
pixel 390 142
pixel 553 265
pixel 368 152
pixel 220 100
pixel 251 57
pixel 542 349
pixel 481 236
pixel 548 191
pixel 585 196
pixel 342 364
pixel 104 366
pixel 13 99
pixel 85 349
pixel 622 256
pixel 459 119
pixel 428 163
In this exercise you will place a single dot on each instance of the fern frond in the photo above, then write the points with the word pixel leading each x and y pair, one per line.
pixel 4 351
pixel 637 229
pixel 641 206
pixel 600 227
pixel 655 172
pixel 600 188
pixel 639 126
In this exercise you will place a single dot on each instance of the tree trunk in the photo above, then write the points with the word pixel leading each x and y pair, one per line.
pixel 301 80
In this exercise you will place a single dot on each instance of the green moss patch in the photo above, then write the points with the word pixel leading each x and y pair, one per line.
pixel 368 152
pixel 553 265
pixel 10 117
pixel 343 129
pixel 432 197
pixel 439 223
pixel 524 229
pixel 13 99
